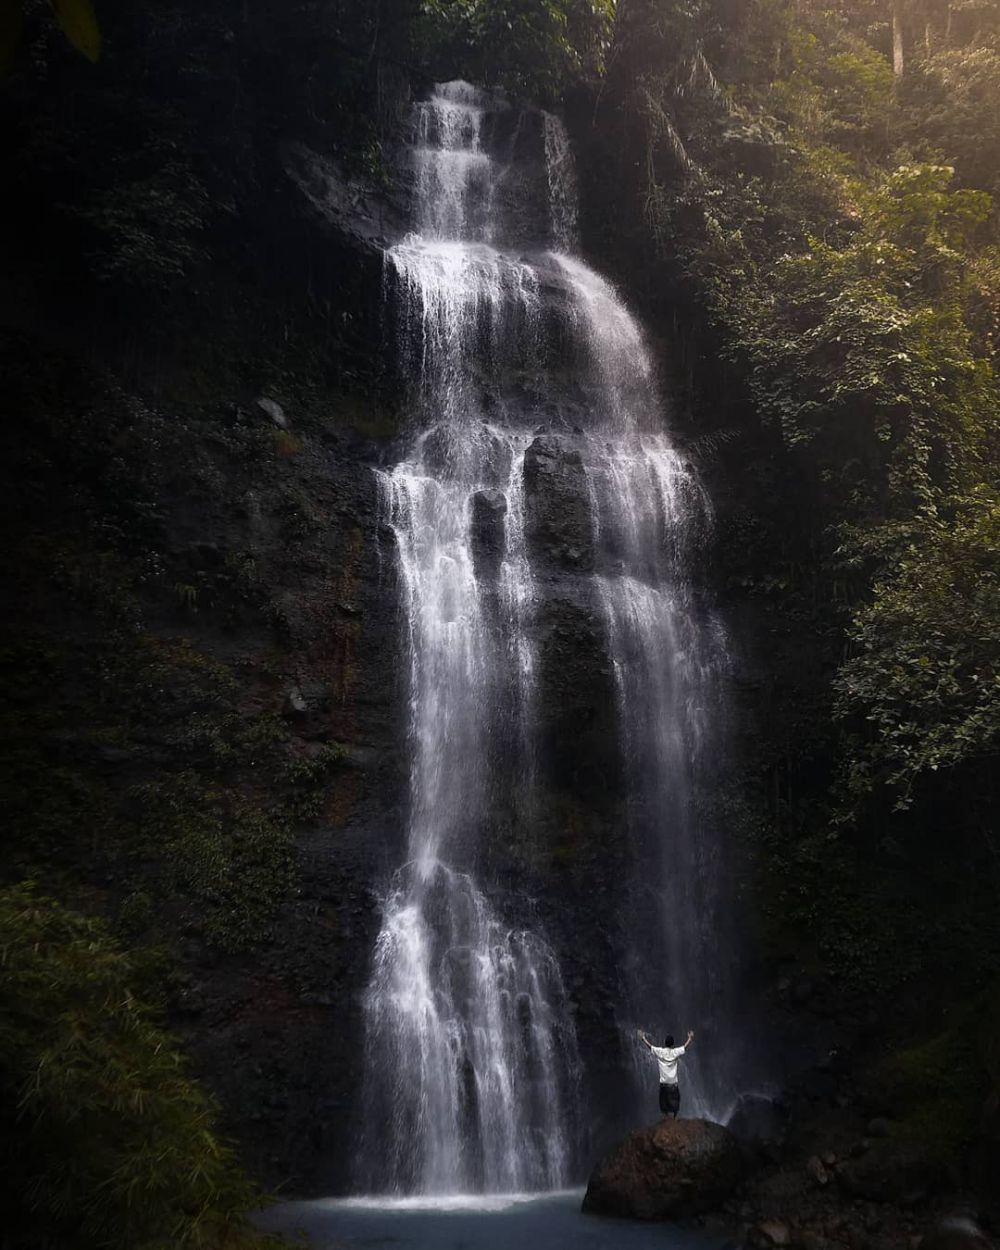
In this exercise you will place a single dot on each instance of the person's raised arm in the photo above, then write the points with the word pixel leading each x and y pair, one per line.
pixel 644 1039
pixel 690 1038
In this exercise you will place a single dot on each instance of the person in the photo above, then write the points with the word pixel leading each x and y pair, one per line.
pixel 667 1057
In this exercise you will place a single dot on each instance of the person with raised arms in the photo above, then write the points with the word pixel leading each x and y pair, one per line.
pixel 667 1057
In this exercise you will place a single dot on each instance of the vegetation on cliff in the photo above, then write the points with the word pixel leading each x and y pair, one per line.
pixel 818 185
pixel 537 50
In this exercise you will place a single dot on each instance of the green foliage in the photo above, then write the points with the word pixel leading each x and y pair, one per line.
pixel 107 1141
pixel 864 347
pixel 233 852
pixel 141 202
pixel 935 1090
pixel 307 777
pixel 152 226
pixel 951 108
pixel 532 47
pixel 838 96
pixel 925 665
pixel 857 298
pixel 829 229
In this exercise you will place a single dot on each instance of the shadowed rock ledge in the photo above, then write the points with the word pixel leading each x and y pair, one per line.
pixel 673 1170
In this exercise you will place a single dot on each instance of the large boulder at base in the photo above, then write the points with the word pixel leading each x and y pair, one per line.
pixel 676 1169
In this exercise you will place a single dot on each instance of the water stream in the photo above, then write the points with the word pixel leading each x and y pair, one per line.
pixel 473 1070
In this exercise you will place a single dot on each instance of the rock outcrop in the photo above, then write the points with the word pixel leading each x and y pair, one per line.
pixel 558 507
pixel 674 1170
pixel 348 204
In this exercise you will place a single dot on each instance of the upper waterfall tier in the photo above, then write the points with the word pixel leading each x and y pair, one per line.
pixel 483 172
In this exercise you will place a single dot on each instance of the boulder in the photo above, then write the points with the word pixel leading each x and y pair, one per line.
pixel 674 1170
pixel 355 207
pixel 559 518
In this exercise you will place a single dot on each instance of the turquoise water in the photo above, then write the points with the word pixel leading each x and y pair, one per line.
pixel 491 1222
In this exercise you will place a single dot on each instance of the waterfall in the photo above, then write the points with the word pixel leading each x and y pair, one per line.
pixel 473 1076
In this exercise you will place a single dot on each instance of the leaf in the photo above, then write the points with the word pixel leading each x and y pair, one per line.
pixel 11 21
pixel 79 25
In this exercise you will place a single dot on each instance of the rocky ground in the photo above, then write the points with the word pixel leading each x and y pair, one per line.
pixel 866 1191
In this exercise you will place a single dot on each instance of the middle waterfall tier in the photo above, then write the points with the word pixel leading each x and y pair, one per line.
pixel 537 471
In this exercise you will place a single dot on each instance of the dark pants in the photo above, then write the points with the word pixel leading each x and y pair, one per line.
pixel 670 1099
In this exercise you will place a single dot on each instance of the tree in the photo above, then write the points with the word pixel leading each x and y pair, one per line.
pixel 106 1138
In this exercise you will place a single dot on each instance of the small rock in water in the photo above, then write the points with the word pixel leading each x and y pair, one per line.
pixel 272 409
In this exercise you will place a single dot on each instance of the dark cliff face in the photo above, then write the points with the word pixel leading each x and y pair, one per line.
pixel 203 736
pixel 275 1029
pixel 205 645
pixel 200 649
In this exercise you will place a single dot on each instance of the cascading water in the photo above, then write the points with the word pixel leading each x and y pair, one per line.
pixel 668 657
pixel 473 1074
pixel 472 1057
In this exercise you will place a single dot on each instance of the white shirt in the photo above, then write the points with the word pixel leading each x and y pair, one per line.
pixel 666 1059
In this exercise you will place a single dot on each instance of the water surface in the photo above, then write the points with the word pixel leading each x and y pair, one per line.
pixel 474 1222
